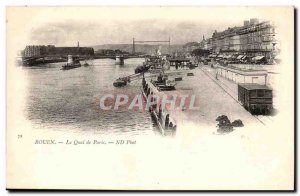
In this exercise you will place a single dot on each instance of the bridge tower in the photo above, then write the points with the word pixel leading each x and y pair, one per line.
pixel 169 46
pixel 152 41
pixel 133 46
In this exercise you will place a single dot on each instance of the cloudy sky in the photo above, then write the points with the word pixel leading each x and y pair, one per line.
pixel 106 32
pixel 64 26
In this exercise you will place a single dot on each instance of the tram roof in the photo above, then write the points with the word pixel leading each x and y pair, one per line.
pixel 250 86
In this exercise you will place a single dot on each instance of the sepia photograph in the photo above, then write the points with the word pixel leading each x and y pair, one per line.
pixel 150 98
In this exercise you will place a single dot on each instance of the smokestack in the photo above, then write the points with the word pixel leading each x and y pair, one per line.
pixel 78 44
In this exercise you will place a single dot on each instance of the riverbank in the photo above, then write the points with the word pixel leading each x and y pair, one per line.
pixel 212 100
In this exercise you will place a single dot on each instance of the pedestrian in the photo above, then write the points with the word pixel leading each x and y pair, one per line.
pixel 174 128
pixel 167 120
pixel 159 112
pixel 170 126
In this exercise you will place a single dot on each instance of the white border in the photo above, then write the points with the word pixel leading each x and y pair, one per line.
pixel 5 3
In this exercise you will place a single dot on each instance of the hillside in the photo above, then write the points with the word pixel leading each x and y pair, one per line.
pixel 144 48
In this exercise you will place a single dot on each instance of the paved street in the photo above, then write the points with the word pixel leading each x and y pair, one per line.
pixel 214 99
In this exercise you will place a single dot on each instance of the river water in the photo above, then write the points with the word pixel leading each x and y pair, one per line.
pixel 69 100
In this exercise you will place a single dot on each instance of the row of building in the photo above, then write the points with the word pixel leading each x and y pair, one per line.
pixel 42 50
pixel 254 38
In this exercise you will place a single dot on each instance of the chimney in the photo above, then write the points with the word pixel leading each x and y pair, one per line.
pixel 78 44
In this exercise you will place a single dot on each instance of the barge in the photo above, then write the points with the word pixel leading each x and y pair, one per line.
pixel 165 124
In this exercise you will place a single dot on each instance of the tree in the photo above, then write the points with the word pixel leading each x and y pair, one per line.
pixel 224 124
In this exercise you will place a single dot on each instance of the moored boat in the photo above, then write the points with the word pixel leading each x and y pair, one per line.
pixel 141 69
pixel 85 64
pixel 120 83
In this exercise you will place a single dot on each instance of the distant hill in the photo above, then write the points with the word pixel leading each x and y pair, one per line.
pixel 144 48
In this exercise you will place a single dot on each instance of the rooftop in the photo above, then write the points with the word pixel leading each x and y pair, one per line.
pixel 251 86
pixel 179 59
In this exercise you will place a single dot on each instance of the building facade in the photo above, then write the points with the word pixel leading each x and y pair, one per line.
pixel 209 44
pixel 189 47
pixel 254 38
pixel 206 44
pixel 203 44
pixel 41 50
pixel 33 50
pixel 258 39
pixel 227 41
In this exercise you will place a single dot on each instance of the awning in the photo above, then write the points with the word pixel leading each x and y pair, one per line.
pixel 234 56
pixel 257 58
pixel 179 60
pixel 239 57
pixel 229 56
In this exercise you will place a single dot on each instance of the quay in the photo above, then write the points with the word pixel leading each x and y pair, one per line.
pixel 165 123
pixel 213 99
pixel 231 87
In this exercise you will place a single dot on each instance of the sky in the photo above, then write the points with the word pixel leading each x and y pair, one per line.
pixel 64 26
pixel 116 32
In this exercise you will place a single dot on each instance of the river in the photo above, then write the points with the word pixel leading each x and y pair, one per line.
pixel 69 99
